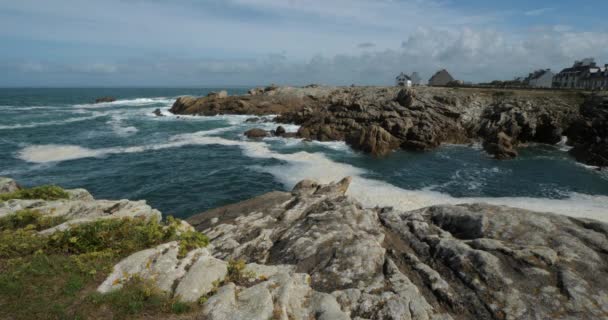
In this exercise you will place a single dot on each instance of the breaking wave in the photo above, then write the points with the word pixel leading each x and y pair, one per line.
pixel 305 165
pixel 50 123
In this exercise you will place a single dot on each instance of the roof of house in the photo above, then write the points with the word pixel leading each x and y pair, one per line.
pixel 443 73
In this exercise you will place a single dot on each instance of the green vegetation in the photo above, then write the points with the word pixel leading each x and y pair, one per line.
pixel 138 296
pixel 55 277
pixel 30 219
pixel 42 192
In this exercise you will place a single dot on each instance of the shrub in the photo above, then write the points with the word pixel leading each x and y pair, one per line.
pixel 29 218
pixel 42 193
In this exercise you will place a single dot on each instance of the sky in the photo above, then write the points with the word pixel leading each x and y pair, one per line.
pixel 172 43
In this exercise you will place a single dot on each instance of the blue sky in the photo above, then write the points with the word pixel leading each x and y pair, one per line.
pixel 256 42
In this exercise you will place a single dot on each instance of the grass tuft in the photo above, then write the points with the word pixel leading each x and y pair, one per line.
pixel 42 193
pixel 50 277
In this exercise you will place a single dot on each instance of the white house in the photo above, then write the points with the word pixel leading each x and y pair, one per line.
pixel 403 80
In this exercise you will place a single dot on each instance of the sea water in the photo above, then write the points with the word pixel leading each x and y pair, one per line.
pixel 183 165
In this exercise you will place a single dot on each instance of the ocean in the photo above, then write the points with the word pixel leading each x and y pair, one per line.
pixel 183 165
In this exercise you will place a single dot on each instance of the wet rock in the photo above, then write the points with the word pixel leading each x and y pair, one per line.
pixel 256 133
pixel 500 147
pixel 374 140
pixel 158 113
pixel 279 131
pixel 105 99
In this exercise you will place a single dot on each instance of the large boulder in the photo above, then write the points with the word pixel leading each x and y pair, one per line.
pixel 256 133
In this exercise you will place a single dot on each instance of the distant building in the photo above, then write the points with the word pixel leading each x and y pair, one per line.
pixel 416 80
pixel 595 78
pixel 441 78
pixel 574 77
pixel 403 80
pixel 540 79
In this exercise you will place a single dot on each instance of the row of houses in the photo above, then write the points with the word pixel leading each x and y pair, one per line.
pixel 584 74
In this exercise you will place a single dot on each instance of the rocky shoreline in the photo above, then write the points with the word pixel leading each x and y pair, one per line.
pixel 378 120
pixel 315 253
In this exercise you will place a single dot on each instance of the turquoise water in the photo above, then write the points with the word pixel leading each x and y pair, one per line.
pixel 185 165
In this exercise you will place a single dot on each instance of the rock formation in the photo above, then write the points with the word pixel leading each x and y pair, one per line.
pixel 105 99
pixel 80 207
pixel 378 120
pixel 446 262
pixel 316 253
pixel 589 135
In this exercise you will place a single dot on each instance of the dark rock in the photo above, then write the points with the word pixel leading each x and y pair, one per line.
pixel 500 147
pixel 158 113
pixel 280 131
pixel 256 133
pixel 105 99
pixel 589 135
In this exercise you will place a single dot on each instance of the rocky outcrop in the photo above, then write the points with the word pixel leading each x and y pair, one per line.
pixel 105 99
pixel 79 208
pixel 268 101
pixel 316 253
pixel 378 120
pixel 589 135
pixel 445 262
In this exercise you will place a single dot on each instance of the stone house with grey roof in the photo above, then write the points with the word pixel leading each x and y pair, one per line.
pixel 441 78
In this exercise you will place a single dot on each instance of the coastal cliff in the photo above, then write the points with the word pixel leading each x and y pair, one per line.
pixel 378 120
pixel 312 253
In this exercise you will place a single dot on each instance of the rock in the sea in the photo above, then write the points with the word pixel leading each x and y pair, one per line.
pixel 376 119
pixel 374 140
pixel 158 113
pixel 105 99
pixel 501 147
pixel 256 133
pixel 279 131
pixel 8 185
pixel 445 262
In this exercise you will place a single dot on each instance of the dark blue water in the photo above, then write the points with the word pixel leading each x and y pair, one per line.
pixel 184 165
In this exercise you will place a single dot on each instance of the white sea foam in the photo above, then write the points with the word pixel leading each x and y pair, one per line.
pixel 127 102
pixel 304 165
pixel 50 123
pixel 563 144
pixel 119 128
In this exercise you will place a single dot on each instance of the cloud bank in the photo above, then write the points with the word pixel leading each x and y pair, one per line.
pixel 254 42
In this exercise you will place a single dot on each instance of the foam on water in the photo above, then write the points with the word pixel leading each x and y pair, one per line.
pixel 119 128
pixel 305 165
pixel 50 123
pixel 127 102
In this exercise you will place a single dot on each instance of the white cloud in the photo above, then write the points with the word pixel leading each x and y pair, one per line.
pixel 538 12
